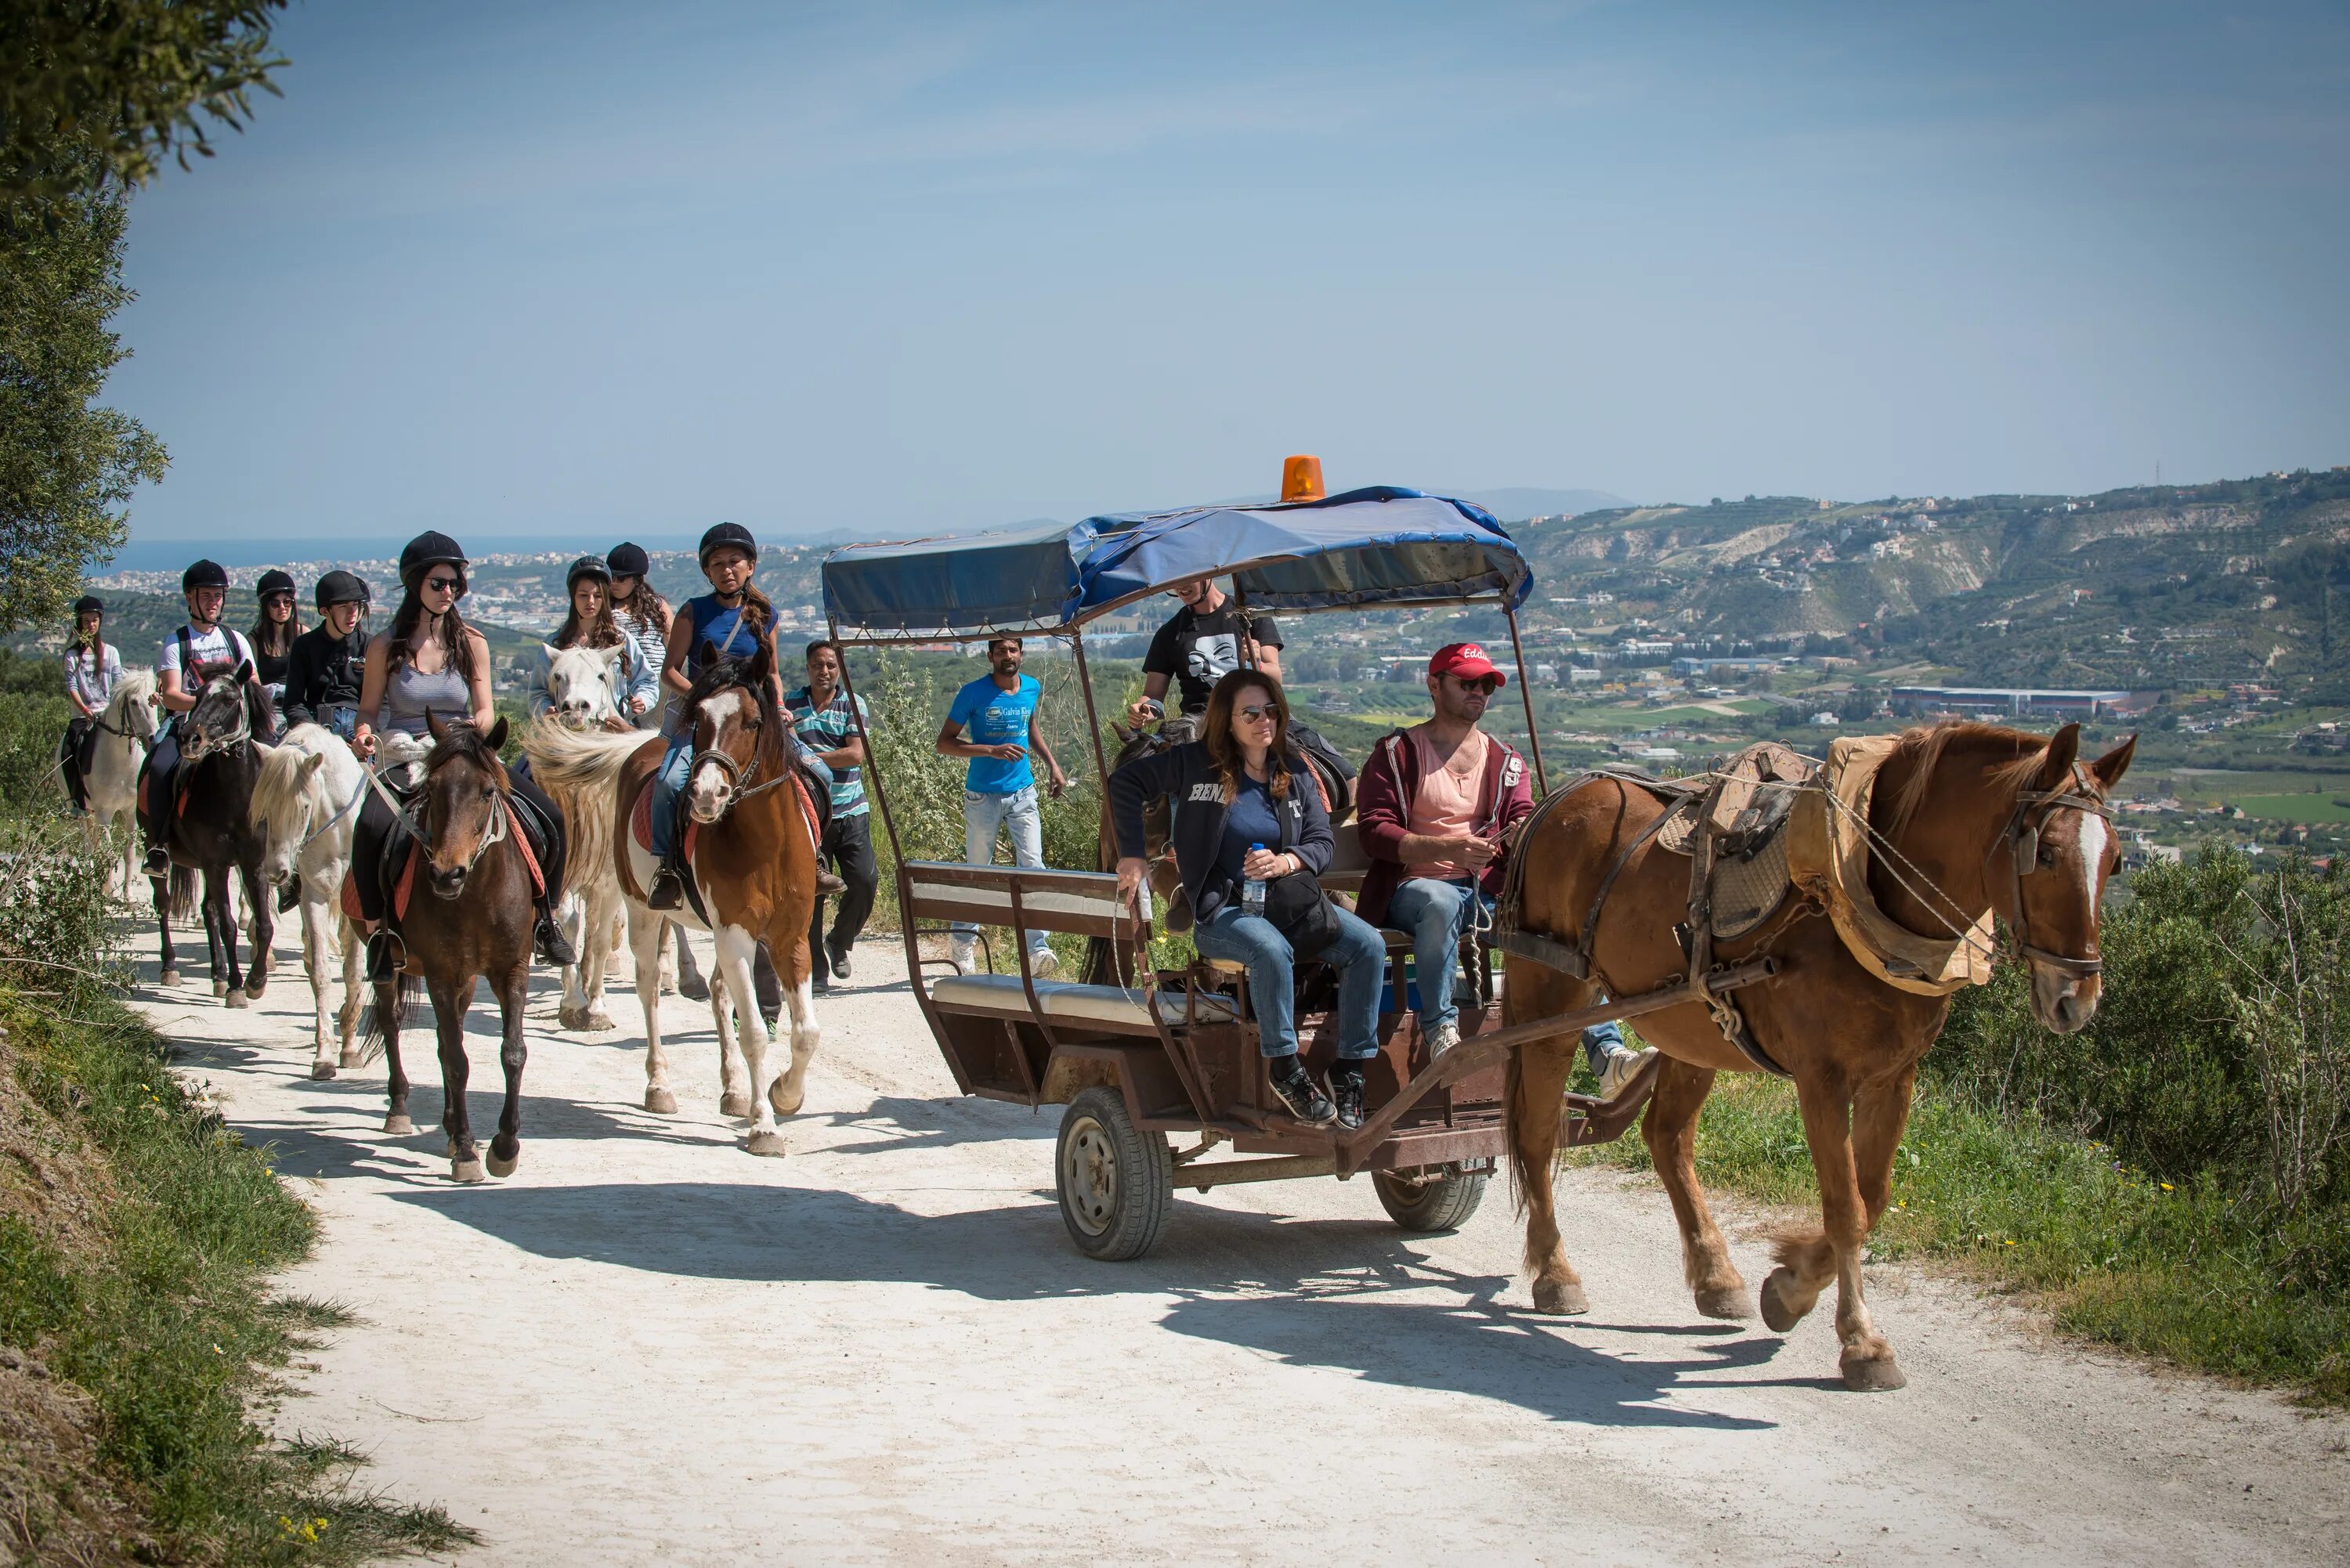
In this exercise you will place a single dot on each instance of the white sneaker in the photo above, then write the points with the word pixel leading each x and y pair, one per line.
pixel 1045 964
pixel 1442 1038
pixel 964 956
pixel 1622 1066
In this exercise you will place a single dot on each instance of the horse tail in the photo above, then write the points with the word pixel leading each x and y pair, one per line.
pixel 409 1007
pixel 587 761
pixel 179 902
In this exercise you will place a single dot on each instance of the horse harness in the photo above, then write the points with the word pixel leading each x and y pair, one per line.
pixel 1737 812
pixel 2020 838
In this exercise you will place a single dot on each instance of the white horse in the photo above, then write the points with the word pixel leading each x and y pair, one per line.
pixel 126 729
pixel 589 763
pixel 583 687
pixel 306 804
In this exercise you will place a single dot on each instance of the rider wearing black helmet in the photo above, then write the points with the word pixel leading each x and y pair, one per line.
pixel 274 631
pixel 641 615
pixel 591 624
pixel 92 667
pixel 431 664
pixel 192 655
pixel 325 670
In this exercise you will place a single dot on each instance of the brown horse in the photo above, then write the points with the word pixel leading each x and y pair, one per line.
pixel 753 863
pixel 476 924
pixel 1995 820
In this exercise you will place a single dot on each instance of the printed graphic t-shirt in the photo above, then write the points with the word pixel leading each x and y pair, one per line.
pixel 220 646
pixel 990 716
pixel 1199 650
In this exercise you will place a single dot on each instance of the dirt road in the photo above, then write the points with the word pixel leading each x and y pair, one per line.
pixel 648 1347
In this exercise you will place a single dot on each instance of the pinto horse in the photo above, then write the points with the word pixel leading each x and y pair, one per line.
pixel 754 864
pixel 214 832
pixel 475 925
pixel 1986 819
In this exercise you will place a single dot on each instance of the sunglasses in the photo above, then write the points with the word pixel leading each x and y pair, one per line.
pixel 1484 683
pixel 444 585
pixel 1252 711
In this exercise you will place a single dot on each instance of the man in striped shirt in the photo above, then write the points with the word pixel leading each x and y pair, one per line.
pixel 826 726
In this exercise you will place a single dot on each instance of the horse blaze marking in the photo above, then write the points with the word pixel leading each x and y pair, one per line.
pixel 2093 851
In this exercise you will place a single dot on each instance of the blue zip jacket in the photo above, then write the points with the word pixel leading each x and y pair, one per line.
pixel 1186 776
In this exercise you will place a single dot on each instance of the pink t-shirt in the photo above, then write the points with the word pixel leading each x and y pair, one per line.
pixel 1445 804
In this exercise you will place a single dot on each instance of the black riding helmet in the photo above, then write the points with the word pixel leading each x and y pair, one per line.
pixel 341 588
pixel 89 604
pixel 203 574
pixel 726 533
pixel 273 581
pixel 587 566
pixel 431 548
pixel 629 560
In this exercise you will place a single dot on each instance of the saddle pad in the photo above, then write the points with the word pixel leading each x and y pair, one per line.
pixel 1746 892
pixel 640 823
pixel 1680 824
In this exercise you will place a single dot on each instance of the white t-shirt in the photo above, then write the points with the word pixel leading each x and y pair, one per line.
pixel 221 645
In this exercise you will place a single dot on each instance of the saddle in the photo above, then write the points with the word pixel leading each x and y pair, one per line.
pixel 1731 824
pixel 395 870
pixel 815 806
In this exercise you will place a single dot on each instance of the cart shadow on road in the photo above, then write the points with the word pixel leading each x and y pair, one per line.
pixel 1309 1293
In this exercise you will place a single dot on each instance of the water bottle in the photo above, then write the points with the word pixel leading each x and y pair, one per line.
pixel 1253 889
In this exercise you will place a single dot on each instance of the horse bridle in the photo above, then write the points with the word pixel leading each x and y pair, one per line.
pixel 501 816
pixel 202 745
pixel 740 785
pixel 2020 838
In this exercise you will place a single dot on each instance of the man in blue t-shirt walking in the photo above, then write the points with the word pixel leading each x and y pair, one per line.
pixel 998 712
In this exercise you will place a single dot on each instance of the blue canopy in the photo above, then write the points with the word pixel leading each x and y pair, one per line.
pixel 1374 547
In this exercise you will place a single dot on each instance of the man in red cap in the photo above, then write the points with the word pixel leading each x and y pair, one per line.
pixel 1436 807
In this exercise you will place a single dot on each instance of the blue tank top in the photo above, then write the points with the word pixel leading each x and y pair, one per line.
pixel 720 624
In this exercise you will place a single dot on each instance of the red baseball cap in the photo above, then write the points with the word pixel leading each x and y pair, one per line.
pixel 1466 660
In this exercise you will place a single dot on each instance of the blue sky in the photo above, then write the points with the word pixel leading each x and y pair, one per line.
pixel 590 270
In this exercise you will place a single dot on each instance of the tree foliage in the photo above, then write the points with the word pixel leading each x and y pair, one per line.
pixel 130 81
pixel 67 466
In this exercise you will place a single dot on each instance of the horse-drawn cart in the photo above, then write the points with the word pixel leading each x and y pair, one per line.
pixel 1175 1051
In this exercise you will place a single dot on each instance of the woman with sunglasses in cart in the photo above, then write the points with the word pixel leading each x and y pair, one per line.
pixel 1243 791
pixel 431 664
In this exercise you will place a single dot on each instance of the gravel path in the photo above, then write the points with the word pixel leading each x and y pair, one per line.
pixel 648 1347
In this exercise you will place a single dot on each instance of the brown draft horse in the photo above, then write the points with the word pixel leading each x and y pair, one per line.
pixel 1947 801
pixel 476 924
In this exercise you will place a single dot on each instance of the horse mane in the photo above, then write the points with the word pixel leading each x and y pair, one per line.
pixel 135 685
pixel 279 789
pixel 1925 746
pixel 718 676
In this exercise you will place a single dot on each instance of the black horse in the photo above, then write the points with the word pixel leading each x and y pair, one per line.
pixel 212 829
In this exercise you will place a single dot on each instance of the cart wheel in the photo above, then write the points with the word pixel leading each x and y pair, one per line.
pixel 1440 1202
pixel 1116 1184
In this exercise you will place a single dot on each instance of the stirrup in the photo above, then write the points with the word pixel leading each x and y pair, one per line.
pixel 548 940
pixel 158 863
pixel 667 890
pixel 380 966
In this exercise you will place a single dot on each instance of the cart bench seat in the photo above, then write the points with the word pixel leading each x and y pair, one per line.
pixel 1070 1002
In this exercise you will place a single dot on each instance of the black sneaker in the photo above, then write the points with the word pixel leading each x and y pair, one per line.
pixel 548 939
pixel 667 890
pixel 289 895
pixel 840 957
pixel 1296 1090
pixel 819 976
pixel 158 864
pixel 1347 1094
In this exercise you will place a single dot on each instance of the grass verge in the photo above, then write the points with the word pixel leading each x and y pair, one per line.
pixel 133 1270
pixel 2169 1270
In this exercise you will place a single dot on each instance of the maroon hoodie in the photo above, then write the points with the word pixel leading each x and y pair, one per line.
pixel 1383 796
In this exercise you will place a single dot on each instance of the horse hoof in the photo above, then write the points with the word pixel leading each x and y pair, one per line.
pixel 256 986
pixel 1560 1298
pixel 168 977
pixel 768 1144
pixel 1871 1374
pixel 467 1170
pixel 321 1071
pixel 219 988
pixel 350 1057
pixel 1780 1313
pixel 693 988
pixel 503 1167
pixel 571 1018
pixel 1725 1301
pixel 600 1022
pixel 399 1126
pixel 236 999
pixel 661 1102
pixel 734 1104
pixel 786 1102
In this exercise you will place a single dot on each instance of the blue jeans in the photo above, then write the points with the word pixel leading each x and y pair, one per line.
pixel 983 817
pixel 677 766
pixel 1359 952
pixel 1602 1041
pixel 1436 914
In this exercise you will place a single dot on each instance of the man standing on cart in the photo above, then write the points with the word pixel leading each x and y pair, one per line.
pixel 1198 646
pixel 1436 807
pixel 998 712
